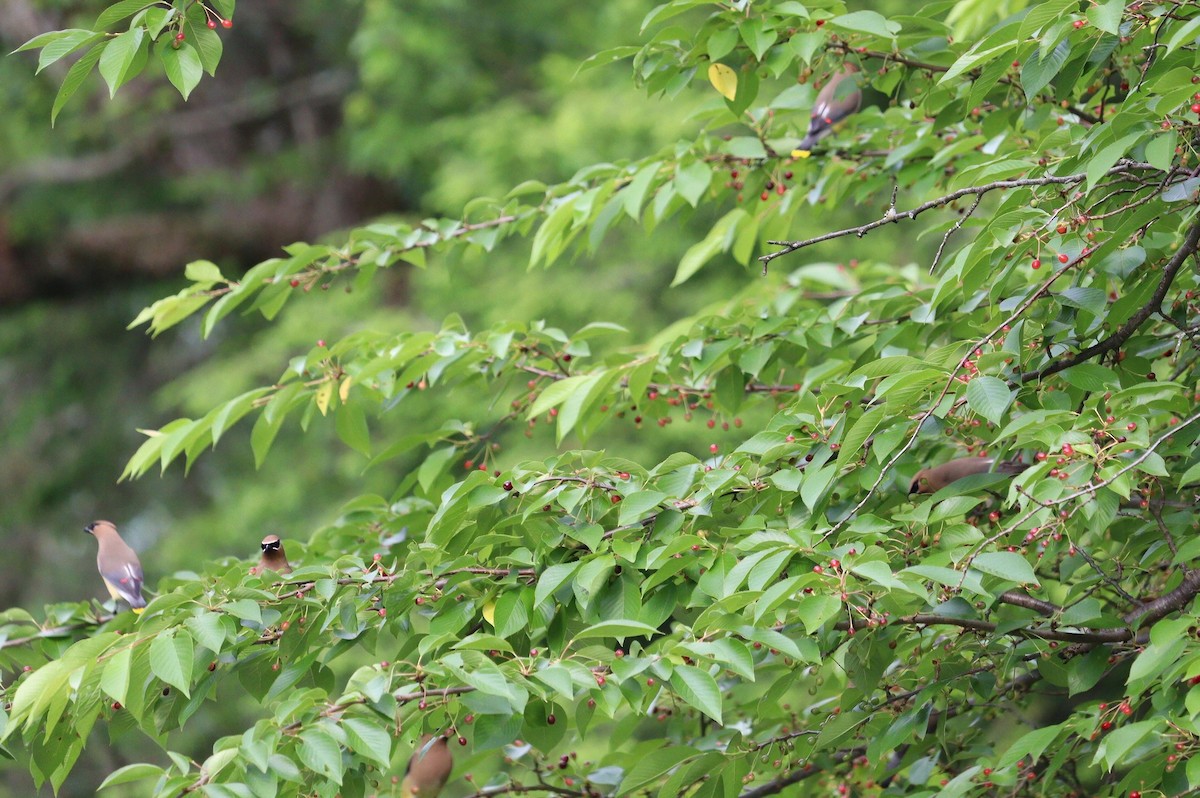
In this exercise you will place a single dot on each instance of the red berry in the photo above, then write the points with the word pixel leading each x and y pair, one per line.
pixel 211 25
pixel 820 22
pixel 382 612
pixel 1063 258
pixel 1068 449
pixel 179 36
pixel 1131 426
pixel 227 23
pixel 551 719
pixel 1062 229
pixel 1037 263
pixel 294 282
pixel 766 195
pixel 420 600
pixel 616 497
pixel 1040 457
pixel 462 740
pixel 321 343
pixel 1196 108
pixel 713 448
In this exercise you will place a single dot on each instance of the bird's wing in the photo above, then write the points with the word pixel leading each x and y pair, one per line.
pixel 124 581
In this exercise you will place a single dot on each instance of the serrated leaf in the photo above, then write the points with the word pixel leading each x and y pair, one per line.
pixel 183 67
pixel 989 397
pixel 321 754
pixel 649 766
pixel 1006 565
pixel 131 773
pixel 619 629
pixel 369 740
pixel 75 77
pixel 171 655
pixel 699 689
pixel 118 57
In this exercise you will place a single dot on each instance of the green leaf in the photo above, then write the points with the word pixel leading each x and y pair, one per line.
pixel 119 11
pixel 171 655
pixel 183 67
pixel 321 754
pixel 870 22
pixel 552 579
pixel 1037 72
pixel 130 773
pixel 114 681
pixel 75 77
pixel 698 689
pixel 692 181
pixel 369 740
pixel 118 57
pixel 1006 565
pixel 556 393
pixel 351 424
pixel 989 397
pixel 1031 745
pixel 719 239
pixel 61 43
pixel 636 505
pixel 203 271
pixel 618 629
pixel 1107 16
pixel 650 766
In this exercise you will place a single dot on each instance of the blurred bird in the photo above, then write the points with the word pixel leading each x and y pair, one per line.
pixel 429 768
pixel 118 565
pixel 273 558
pixel 839 99
pixel 931 480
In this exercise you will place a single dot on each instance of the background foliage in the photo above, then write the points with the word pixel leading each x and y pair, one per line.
pixel 564 472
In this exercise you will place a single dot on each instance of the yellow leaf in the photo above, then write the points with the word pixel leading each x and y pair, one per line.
pixel 489 612
pixel 344 391
pixel 324 394
pixel 723 80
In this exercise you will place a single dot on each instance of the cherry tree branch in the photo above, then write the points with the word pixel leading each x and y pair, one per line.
pixel 1154 305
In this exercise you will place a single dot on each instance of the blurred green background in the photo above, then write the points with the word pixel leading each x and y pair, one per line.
pixel 322 116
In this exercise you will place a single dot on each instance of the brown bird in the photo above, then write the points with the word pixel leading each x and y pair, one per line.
pixel 429 769
pixel 839 99
pixel 931 480
pixel 273 558
pixel 118 565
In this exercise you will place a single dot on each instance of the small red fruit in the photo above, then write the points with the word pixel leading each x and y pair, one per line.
pixel 713 448
pixel 1062 229
pixel 227 23
pixel 1037 263
pixel 212 25
pixel 179 36
pixel 1063 258
pixel 1131 426
pixel 1068 449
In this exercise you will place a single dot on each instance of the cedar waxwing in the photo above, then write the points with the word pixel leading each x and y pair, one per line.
pixel 840 98
pixel 273 558
pixel 429 768
pixel 931 480
pixel 118 565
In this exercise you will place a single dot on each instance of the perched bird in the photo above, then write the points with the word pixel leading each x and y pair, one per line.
pixel 931 480
pixel 118 565
pixel 273 558
pixel 840 98
pixel 429 768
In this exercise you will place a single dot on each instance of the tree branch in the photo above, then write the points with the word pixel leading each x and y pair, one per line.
pixel 1135 321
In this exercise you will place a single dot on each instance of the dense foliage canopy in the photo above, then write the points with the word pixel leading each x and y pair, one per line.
pixel 769 604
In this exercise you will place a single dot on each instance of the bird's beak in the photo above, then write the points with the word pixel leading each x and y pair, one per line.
pixel 88 528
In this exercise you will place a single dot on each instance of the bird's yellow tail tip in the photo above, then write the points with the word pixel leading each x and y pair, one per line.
pixel 800 153
pixel 138 610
